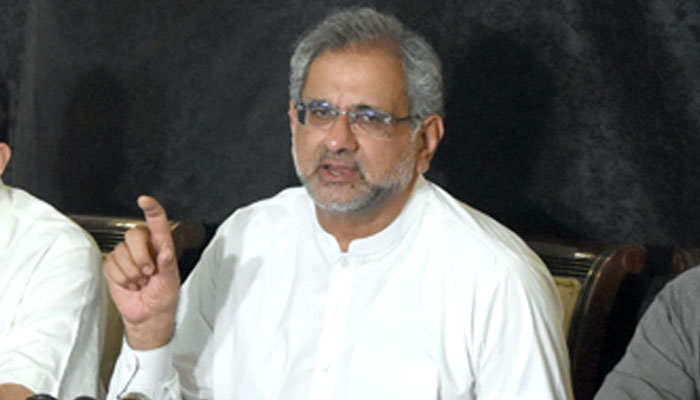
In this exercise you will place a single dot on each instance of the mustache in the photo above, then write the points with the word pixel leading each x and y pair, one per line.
pixel 327 155
pixel 340 157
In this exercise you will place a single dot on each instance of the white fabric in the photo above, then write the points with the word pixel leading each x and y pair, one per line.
pixel 443 303
pixel 51 296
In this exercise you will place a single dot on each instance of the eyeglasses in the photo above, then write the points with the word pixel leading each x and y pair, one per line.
pixel 363 120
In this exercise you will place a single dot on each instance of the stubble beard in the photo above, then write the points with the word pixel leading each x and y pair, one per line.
pixel 366 194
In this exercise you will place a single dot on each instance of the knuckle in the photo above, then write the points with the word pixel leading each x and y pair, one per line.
pixel 113 274
pixel 120 263
pixel 137 233
pixel 132 273
pixel 119 253
pixel 119 248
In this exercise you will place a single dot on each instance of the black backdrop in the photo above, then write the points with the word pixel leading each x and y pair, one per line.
pixel 577 119
pixel 570 118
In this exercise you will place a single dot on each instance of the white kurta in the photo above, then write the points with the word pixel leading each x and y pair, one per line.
pixel 445 303
pixel 51 299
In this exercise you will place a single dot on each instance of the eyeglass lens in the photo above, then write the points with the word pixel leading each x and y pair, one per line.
pixel 362 120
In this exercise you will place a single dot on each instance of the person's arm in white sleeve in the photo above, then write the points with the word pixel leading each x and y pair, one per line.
pixel 144 282
pixel 147 372
pixel 523 353
pixel 53 344
pixel 182 368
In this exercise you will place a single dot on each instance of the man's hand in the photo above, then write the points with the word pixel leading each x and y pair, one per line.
pixel 143 279
pixel 10 391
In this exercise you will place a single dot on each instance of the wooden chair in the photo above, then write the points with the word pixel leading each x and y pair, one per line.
pixel 189 236
pixel 684 258
pixel 588 277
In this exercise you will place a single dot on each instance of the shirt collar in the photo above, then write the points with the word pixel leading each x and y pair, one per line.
pixel 5 203
pixel 384 240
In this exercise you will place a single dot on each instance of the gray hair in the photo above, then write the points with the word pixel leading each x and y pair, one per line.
pixel 420 62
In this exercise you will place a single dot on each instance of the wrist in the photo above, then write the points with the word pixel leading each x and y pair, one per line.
pixel 148 335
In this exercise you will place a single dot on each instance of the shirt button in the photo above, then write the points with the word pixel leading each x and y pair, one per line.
pixel 343 262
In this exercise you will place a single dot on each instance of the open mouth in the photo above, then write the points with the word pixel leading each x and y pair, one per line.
pixel 335 171
pixel 339 170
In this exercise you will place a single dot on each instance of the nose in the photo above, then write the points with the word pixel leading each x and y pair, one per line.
pixel 340 136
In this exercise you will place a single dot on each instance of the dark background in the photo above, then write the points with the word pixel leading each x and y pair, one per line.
pixel 574 119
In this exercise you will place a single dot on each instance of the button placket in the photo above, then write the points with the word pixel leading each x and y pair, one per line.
pixel 334 329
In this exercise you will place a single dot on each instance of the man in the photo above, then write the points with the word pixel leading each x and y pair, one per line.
pixel 663 358
pixel 370 283
pixel 51 296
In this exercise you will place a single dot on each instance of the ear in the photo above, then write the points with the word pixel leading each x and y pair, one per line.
pixel 5 155
pixel 292 114
pixel 429 136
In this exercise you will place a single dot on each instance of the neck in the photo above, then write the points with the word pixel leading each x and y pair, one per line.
pixel 348 226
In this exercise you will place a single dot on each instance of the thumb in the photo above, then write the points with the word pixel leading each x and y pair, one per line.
pixel 159 227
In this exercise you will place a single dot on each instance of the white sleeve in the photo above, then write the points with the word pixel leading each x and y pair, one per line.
pixel 183 368
pixel 53 343
pixel 150 373
pixel 523 353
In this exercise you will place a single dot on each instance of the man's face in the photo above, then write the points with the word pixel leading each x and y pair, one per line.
pixel 345 171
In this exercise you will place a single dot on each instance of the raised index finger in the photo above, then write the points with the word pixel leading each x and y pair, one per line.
pixel 158 225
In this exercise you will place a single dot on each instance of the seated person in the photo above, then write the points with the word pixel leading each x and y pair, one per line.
pixel 367 283
pixel 663 358
pixel 51 296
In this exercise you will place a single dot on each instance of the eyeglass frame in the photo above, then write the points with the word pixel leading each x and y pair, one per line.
pixel 301 107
